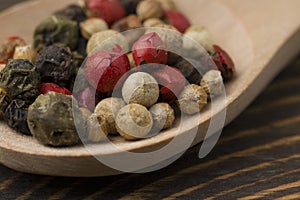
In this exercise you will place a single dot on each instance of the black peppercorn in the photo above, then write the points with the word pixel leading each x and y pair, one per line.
pixel 19 79
pixel 16 116
pixel 56 29
pixel 55 64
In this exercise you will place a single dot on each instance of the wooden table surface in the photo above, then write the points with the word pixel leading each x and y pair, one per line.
pixel 257 157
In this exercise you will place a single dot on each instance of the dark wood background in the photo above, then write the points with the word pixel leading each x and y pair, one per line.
pixel 257 157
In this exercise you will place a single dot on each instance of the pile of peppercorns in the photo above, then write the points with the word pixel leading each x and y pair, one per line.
pixel 129 85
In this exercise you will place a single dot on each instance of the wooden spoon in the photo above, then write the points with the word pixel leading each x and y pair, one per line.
pixel 261 36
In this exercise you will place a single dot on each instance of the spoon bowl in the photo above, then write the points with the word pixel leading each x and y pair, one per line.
pixel 261 37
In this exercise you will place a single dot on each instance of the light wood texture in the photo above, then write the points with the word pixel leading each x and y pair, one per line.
pixel 261 36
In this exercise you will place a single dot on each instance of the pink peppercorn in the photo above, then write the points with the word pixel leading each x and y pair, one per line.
pixel 149 49
pixel 171 82
pixel 52 87
pixel 103 69
pixel 89 98
pixel 109 10
pixel 223 62
pixel 178 20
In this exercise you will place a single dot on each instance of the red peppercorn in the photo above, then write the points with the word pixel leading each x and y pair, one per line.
pixel 52 87
pixel 178 20
pixel 89 98
pixel 7 49
pixel 223 62
pixel 171 82
pixel 149 49
pixel 108 10
pixel 103 69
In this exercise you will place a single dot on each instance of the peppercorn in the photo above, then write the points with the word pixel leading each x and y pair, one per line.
pixel 201 36
pixel 106 40
pixel 52 87
pixel 192 99
pixel 15 116
pixel 140 88
pixel 172 38
pixel 97 128
pixel 51 120
pixel 177 19
pixel 109 10
pixel 72 12
pixel 55 64
pixel 127 23
pixel 152 22
pixel 130 6
pixel 89 98
pixel 81 46
pixel 149 49
pixel 103 69
pixel 212 83
pixel 91 26
pixel 2 66
pixel 24 52
pixel 223 62
pixel 171 82
pixel 7 49
pixel 108 109
pixel 168 4
pixel 80 82
pixel 192 69
pixel 163 116
pixel 149 9
pixel 134 122
pixel 18 80
pixel 56 29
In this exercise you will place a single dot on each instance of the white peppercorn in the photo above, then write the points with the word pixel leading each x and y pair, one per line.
pixel 192 99
pixel 201 36
pixel 91 26
pixel 106 40
pixel 108 109
pixel 140 88
pixel 168 4
pixel 212 83
pixel 163 116
pixel 148 9
pixel 97 128
pixel 134 121
pixel 24 52
pixel 152 22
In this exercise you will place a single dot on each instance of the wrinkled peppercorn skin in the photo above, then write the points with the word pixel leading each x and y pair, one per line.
pixel 103 69
pixel 51 119
pixel 171 82
pixel 15 116
pixel 149 49
pixel 19 79
pixel 55 64
pixel 56 29
pixel 224 63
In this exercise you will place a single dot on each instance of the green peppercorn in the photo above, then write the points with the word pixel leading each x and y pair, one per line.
pixel 51 120
pixel 56 29
pixel 19 79
pixel 16 116
pixel 72 12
